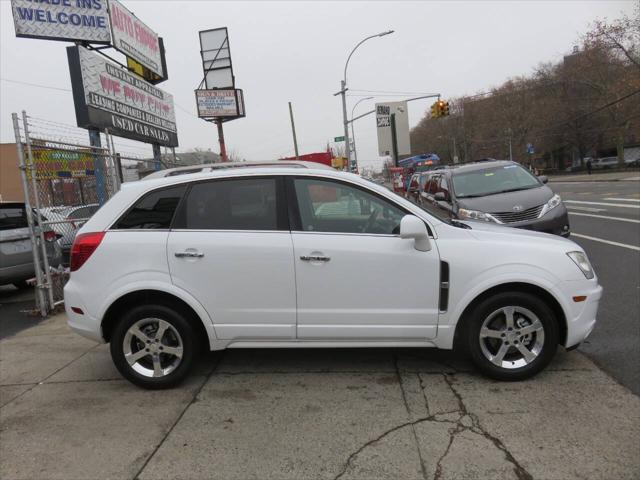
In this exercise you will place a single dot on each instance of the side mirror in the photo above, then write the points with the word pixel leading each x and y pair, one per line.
pixel 543 178
pixel 412 227
pixel 440 197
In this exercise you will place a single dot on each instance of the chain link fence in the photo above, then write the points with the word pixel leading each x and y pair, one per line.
pixel 67 175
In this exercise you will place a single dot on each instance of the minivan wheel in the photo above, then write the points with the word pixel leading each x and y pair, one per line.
pixel 153 346
pixel 512 336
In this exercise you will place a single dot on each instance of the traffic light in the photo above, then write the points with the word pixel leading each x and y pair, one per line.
pixel 435 112
pixel 440 109
pixel 444 110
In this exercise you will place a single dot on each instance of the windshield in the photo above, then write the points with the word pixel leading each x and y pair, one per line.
pixel 492 180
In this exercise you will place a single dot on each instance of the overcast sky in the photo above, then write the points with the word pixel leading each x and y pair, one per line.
pixel 295 51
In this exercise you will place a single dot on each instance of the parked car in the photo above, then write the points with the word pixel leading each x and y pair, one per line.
pixel 16 254
pixel 289 257
pixel 497 191
pixel 67 222
pixel 604 163
pixel 415 184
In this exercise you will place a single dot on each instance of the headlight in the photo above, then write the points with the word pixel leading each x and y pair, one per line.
pixel 581 260
pixel 551 204
pixel 465 214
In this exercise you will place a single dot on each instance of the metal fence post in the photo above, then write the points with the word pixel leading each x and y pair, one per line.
pixel 94 141
pixel 40 296
pixel 36 196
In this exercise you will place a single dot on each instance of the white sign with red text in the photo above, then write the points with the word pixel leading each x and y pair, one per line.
pixel 134 38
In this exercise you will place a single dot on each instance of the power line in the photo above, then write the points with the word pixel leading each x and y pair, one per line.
pixel 36 85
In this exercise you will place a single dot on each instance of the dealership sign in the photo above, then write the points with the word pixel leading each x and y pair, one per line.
pixel 400 114
pixel 134 38
pixel 108 97
pixel 220 103
pixel 83 20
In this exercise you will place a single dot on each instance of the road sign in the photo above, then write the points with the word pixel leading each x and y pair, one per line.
pixel 339 139
pixel 383 124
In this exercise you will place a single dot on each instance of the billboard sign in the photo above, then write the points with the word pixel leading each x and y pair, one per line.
pixel 135 39
pixel 50 163
pixel 216 58
pixel 67 20
pixel 108 97
pixel 383 124
pixel 220 103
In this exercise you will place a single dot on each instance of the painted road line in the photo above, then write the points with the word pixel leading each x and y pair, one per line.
pixel 587 209
pixel 620 219
pixel 623 199
pixel 621 205
pixel 608 242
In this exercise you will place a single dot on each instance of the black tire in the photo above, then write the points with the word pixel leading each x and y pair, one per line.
pixel 178 322
pixel 472 340
pixel 21 285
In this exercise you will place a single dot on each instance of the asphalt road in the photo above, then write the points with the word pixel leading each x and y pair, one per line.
pixel 609 214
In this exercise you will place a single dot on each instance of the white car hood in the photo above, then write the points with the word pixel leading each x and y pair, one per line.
pixel 490 231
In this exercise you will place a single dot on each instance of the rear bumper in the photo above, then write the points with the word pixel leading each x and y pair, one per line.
pixel 83 324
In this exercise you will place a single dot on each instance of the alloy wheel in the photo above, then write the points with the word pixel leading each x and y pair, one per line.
pixel 153 347
pixel 511 337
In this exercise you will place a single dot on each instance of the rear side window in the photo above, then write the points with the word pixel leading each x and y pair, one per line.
pixel 153 211
pixel 12 217
pixel 238 204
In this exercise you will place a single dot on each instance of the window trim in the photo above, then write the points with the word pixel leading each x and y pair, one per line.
pixel 296 219
pixel 282 219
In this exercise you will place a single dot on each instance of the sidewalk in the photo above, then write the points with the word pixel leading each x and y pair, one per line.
pixel 631 175
pixel 314 413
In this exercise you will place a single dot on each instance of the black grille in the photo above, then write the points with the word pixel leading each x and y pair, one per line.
pixel 513 217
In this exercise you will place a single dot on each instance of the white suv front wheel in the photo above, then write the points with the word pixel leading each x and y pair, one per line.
pixel 511 336
pixel 153 346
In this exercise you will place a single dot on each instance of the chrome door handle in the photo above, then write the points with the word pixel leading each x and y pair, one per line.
pixel 314 258
pixel 189 254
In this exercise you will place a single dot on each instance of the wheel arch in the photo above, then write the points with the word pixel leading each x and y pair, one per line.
pixel 524 287
pixel 153 297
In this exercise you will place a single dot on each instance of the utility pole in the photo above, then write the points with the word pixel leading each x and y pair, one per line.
pixel 223 149
pixel 293 130
pixel 455 151
pixel 345 122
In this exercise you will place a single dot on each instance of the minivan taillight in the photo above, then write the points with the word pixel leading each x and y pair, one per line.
pixel 83 247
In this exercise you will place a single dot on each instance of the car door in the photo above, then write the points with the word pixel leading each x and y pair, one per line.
pixel 355 277
pixel 230 247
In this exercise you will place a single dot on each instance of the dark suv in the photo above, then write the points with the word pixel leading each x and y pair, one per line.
pixel 496 191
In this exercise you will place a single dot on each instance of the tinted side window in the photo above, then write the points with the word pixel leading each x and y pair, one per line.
pixel 153 211
pixel 13 217
pixel 238 204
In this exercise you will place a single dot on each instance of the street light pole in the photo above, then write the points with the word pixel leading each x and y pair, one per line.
pixel 343 91
pixel 353 133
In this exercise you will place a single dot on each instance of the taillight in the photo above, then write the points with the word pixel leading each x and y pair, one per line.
pixel 50 236
pixel 83 247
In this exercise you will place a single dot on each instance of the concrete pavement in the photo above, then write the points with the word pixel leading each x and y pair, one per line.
pixel 403 413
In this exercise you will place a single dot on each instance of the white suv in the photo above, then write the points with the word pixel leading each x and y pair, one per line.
pixel 290 257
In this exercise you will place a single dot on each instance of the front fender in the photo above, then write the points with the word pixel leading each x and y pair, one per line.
pixel 463 291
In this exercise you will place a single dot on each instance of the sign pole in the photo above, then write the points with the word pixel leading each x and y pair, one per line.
pixel 223 150
pixel 293 129
pixel 94 141
pixel 394 140
pixel 156 156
